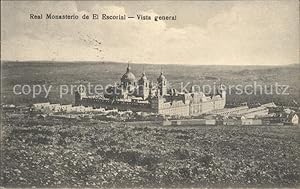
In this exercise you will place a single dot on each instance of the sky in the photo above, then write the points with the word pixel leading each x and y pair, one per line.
pixel 204 33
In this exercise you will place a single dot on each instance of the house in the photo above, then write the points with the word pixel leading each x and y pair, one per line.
pixel 293 119
pixel 232 121
pixel 41 106
pixel 251 122
pixel 9 107
pixel 269 105
pixel 190 122
pixel 260 111
pixel 283 119
pixel 193 122
pixel 66 108
pixel 210 122
pixel 51 108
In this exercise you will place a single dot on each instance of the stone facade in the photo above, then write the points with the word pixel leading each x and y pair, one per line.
pixel 143 96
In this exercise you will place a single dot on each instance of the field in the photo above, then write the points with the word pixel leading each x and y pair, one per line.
pixel 66 153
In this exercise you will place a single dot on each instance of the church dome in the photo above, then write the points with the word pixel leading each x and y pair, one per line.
pixel 128 76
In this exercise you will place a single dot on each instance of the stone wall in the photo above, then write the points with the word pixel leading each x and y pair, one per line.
pixel 123 106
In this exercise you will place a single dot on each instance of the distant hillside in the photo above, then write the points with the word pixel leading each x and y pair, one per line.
pixel 65 73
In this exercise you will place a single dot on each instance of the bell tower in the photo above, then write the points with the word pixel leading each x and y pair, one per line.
pixel 79 94
pixel 143 87
pixel 162 84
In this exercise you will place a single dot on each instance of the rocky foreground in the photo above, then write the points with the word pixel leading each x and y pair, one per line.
pixel 60 153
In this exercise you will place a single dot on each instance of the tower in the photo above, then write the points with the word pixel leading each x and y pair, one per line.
pixel 143 87
pixel 77 99
pixel 222 89
pixel 151 89
pixel 223 95
pixel 162 84
pixel 79 94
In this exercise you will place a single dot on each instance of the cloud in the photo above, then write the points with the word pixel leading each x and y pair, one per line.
pixel 239 35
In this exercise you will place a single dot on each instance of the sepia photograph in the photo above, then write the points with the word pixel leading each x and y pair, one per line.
pixel 150 94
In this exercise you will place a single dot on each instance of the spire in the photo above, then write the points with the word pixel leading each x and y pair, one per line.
pixel 161 77
pixel 143 78
pixel 143 69
pixel 151 84
pixel 143 75
pixel 128 67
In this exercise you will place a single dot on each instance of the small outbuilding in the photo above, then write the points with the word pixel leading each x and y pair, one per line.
pixel 293 119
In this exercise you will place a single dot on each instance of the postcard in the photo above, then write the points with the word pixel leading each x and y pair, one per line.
pixel 150 94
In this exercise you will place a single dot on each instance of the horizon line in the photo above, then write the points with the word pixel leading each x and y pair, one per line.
pixel 118 62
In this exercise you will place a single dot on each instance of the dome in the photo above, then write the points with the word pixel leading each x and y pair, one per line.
pixel 128 76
